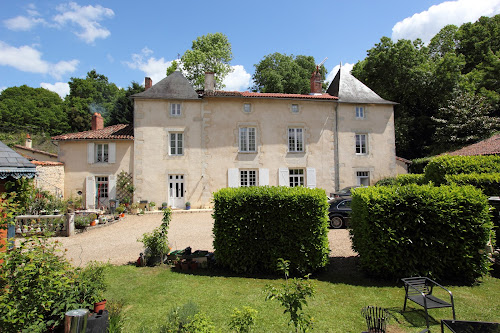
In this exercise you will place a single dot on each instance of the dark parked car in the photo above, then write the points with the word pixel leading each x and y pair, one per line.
pixel 339 212
pixel 345 192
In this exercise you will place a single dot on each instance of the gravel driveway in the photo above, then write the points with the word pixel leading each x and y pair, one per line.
pixel 117 242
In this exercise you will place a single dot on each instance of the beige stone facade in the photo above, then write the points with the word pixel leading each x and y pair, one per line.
pixel 50 177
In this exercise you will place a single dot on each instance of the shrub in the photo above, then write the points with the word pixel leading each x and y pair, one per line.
pixel 439 167
pixel 401 231
pixel 402 179
pixel 243 320
pixel 255 226
pixel 418 165
pixel 489 183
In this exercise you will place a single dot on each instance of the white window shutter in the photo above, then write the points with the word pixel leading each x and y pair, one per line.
pixel 263 177
pixel 112 186
pixel 112 152
pixel 283 177
pixel 311 177
pixel 90 153
pixel 232 177
pixel 90 192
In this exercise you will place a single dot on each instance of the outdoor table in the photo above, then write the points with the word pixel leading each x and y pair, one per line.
pixel 465 326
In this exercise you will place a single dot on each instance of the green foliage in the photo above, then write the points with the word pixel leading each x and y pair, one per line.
pixel 489 183
pixel 281 73
pixel 180 317
pixel 293 296
pixel 173 67
pixel 32 200
pixel 209 53
pixel 411 178
pixel 156 242
pixel 243 320
pixel 418 164
pixel 92 284
pixel 254 226
pixel 200 323
pixel 439 167
pixel 32 109
pixel 401 231
pixel 116 316
pixel 123 109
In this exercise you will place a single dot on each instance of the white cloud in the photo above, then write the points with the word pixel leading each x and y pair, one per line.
pixel 345 67
pixel 29 59
pixel 426 24
pixel 61 88
pixel 87 18
pixel 154 68
pixel 22 23
pixel 238 79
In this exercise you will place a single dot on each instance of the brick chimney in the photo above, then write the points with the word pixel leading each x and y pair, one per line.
pixel 209 81
pixel 148 83
pixel 28 143
pixel 316 84
pixel 97 122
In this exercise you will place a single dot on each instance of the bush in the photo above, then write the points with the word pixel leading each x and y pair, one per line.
pixel 439 167
pixel 489 183
pixel 418 165
pixel 243 320
pixel 255 226
pixel 440 232
pixel 403 179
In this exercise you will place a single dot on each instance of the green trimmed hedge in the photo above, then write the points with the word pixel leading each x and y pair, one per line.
pixel 489 183
pixel 439 167
pixel 255 226
pixel 440 232
pixel 418 165
pixel 403 179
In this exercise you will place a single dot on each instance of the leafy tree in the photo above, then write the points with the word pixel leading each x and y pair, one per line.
pixel 444 41
pixel 209 53
pixel 89 95
pixel 173 67
pixel 281 73
pixel 32 109
pixel 123 110
pixel 465 120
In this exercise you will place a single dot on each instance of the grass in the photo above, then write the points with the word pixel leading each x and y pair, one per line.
pixel 148 295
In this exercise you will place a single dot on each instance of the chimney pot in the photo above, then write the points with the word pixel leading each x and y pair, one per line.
pixel 316 84
pixel 148 83
pixel 28 143
pixel 97 122
pixel 209 81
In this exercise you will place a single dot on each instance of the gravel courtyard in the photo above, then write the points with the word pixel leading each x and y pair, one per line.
pixel 117 242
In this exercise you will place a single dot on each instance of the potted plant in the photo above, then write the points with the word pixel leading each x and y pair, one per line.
pixel 92 285
pixel 134 208
pixel 156 246
pixel 164 205
pixel 93 219
pixel 152 205
pixel 119 210
pixel 188 205
pixel 81 222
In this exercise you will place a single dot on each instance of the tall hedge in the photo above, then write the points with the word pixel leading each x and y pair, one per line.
pixel 255 226
pixel 439 167
pixel 403 231
pixel 489 183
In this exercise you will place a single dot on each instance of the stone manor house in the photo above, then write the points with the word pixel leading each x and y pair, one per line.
pixel 186 144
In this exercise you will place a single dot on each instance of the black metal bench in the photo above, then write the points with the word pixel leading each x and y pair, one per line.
pixel 419 290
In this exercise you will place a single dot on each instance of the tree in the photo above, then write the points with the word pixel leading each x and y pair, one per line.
pixel 173 67
pixel 32 109
pixel 89 95
pixel 444 41
pixel 465 120
pixel 209 53
pixel 281 73
pixel 123 110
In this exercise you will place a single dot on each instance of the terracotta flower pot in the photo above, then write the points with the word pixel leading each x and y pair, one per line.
pixel 93 223
pixel 99 306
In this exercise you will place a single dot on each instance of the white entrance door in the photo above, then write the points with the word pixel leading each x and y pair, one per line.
pixel 176 190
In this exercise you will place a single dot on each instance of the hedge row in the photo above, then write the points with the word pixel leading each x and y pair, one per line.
pixel 403 179
pixel 489 183
pixel 440 232
pixel 255 226
pixel 439 167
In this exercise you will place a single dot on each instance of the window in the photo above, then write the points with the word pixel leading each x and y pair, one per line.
pixel 175 109
pixel 102 186
pixel 360 112
pixel 248 178
pixel 176 144
pixel 361 147
pixel 295 140
pixel 296 177
pixel 363 178
pixel 101 153
pixel 295 108
pixel 247 139
pixel 247 108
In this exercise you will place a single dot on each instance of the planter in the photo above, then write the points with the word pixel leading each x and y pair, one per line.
pixel 93 223
pixel 99 306
pixel 188 207
pixel 193 265
pixel 134 211
pixel 185 265
pixel 103 220
pixel 178 265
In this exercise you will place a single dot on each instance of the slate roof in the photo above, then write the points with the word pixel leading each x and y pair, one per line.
pixel 174 86
pixel 114 132
pixel 219 93
pixel 13 164
pixel 489 146
pixel 350 90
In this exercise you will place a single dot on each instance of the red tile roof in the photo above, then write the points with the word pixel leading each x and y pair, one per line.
pixel 46 163
pixel 219 93
pixel 489 146
pixel 115 132
pixel 35 150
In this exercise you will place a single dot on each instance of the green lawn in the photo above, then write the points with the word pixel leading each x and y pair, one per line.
pixel 149 294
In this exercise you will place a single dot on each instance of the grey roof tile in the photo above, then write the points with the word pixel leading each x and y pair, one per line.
pixel 174 86
pixel 11 159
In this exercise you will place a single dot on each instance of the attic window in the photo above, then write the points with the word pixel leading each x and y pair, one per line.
pixel 247 108
pixel 295 108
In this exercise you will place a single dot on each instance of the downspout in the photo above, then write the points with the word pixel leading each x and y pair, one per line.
pixel 336 148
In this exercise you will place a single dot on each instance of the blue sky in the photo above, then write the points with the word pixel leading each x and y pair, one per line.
pixel 45 43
